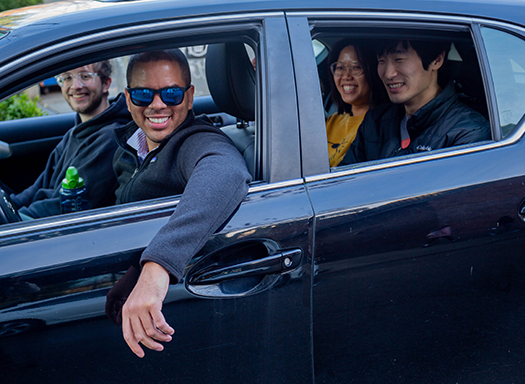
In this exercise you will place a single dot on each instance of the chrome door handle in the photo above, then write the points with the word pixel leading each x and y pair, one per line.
pixel 280 262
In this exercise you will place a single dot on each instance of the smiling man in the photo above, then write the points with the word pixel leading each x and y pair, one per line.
pixel 89 145
pixel 166 151
pixel 425 113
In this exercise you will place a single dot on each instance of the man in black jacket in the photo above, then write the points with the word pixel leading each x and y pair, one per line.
pixel 89 145
pixel 166 151
pixel 426 113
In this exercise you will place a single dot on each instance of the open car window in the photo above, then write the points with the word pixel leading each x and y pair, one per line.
pixel 30 141
pixel 462 68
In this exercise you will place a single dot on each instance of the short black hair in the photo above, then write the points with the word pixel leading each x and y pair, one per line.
pixel 368 61
pixel 173 55
pixel 427 50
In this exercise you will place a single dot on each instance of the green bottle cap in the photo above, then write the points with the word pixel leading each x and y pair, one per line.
pixel 72 179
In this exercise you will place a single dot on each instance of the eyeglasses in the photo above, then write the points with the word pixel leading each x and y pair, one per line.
pixel 84 78
pixel 338 69
pixel 142 97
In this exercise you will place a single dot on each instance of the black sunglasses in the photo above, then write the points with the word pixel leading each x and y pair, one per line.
pixel 142 97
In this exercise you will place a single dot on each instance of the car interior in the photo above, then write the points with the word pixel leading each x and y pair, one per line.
pixel 463 67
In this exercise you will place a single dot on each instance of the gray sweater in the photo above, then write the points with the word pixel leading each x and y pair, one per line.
pixel 197 160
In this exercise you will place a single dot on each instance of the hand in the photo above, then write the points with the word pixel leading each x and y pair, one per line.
pixel 142 319
pixel 118 295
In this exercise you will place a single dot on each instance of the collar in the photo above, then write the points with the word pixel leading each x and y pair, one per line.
pixel 138 142
pixel 431 112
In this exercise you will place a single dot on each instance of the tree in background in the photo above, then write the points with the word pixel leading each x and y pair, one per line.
pixel 18 107
pixel 11 4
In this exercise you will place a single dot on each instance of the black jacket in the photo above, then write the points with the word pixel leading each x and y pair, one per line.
pixel 88 146
pixel 443 122
pixel 201 162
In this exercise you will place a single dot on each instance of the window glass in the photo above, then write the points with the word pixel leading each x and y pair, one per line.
pixel 506 55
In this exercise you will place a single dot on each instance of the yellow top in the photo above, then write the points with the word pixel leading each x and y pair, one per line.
pixel 341 131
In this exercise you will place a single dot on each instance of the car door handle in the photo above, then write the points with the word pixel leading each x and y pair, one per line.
pixel 280 262
pixel 5 150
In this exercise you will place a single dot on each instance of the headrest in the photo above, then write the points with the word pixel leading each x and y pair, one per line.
pixel 231 79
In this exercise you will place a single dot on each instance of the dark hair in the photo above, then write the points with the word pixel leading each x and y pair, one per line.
pixel 368 61
pixel 104 69
pixel 173 55
pixel 427 51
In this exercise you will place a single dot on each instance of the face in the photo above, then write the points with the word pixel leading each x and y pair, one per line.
pixel 89 100
pixel 405 79
pixel 158 120
pixel 354 90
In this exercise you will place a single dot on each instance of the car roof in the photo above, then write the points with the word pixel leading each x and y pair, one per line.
pixel 23 29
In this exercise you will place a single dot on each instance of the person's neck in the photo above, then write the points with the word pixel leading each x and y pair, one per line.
pixel 359 110
pixel 426 97
pixel 104 104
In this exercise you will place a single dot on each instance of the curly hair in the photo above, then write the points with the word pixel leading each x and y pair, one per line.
pixel 104 69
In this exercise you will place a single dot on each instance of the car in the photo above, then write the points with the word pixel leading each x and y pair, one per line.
pixel 401 270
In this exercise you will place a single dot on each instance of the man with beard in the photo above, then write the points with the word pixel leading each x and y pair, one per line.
pixel 89 146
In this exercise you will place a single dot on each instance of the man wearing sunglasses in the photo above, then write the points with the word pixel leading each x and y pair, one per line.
pixel 89 145
pixel 166 151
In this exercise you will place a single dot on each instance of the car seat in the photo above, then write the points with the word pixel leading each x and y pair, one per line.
pixel 231 81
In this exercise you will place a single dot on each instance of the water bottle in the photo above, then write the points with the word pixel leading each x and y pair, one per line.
pixel 73 195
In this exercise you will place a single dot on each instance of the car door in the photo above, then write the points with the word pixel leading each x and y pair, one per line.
pixel 242 311
pixel 419 260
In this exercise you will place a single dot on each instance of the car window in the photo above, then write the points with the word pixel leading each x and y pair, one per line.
pixel 31 141
pixel 461 74
pixel 506 54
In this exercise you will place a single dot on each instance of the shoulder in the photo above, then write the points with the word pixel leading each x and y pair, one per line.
pixel 336 117
pixel 117 112
pixel 385 111
pixel 384 115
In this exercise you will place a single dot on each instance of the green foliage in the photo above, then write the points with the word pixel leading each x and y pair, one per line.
pixel 11 4
pixel 18 107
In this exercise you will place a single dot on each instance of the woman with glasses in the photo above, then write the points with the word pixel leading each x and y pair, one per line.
pixel 355 88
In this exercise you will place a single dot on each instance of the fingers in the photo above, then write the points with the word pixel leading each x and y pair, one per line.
pixel 143 330
pixel 129 337
pixel 162 326
pixel 142 319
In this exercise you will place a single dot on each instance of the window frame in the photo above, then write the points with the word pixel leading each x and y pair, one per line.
pixel 56 58
pixel 345 19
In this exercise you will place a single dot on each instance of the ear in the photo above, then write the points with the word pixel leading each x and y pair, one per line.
pixel 189 95
pixel 106 85
pixel 438 61
pixel 128 98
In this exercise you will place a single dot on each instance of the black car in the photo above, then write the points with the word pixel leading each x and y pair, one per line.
pixel 404 270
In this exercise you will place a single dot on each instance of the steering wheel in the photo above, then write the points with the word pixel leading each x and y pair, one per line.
pixel 8 212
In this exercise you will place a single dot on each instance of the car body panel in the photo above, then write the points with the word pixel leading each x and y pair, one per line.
pixel 44 287
pixel 420 269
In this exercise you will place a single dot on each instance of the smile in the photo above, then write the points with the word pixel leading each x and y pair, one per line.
pixel 349 88
pixel 396 85
pixel 158 120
